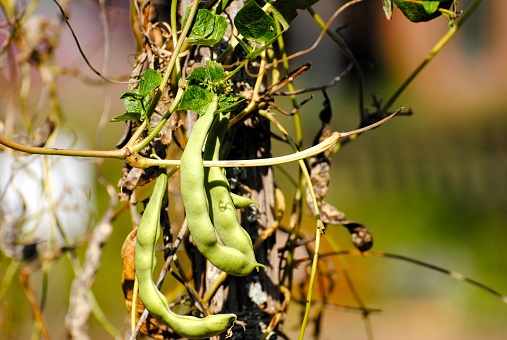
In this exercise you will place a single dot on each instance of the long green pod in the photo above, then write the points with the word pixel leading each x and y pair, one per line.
pixel 222 209
pixel 227 259
pixel 154 301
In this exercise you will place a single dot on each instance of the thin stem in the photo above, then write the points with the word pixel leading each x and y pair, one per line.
pixel 67 22
pixel 137 133
pixel 320 226
pixel 290 85
pixel 313 273
pixel 312 151
pixel 295 219
pixel 348 278
pixel 133 310
pixel 8 276
pixel 434 51
pixel 344 48
pixel 232 73
pixel 332 83
pixel 119 154
pixel 174 57
pixel 453 274
pixel 155 131
pixel 174 29
pixel 143 162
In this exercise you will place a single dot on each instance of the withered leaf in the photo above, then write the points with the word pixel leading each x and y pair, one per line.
pixel 320 167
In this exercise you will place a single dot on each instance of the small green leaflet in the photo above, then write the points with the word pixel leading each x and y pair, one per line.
pixel 388 8
pixel 212 74
pixel 254 24
pixel 208 28
pixel 203 25
pixel 430 6
pixel 227 103
pixel 126 116
pixel 134 102
pixel 137 101
pixel 197 99
pixel 203 82
pixel 149 81
pixel 253 54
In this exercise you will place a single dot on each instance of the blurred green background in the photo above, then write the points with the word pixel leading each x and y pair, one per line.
pixel 432 186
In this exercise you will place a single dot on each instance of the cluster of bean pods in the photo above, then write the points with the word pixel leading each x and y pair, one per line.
pixel 208 202
pixel 155 302
pixel 210 209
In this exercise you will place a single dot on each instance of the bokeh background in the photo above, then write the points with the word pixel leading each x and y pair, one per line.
pixel 432 186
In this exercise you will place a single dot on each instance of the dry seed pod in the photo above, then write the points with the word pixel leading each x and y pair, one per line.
pixel 361 236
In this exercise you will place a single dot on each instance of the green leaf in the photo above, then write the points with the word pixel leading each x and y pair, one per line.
pixel 227 103
pixel 202 86
pixel 215 70
pixel 255 53
pixel 146 103
pixel 132 100
pixel 127 116
pixel 198 76
pixel 286 10
pixel 135 102
pixel 185 18
pixel 138 101
pixel 134 94
pixel 208 28
pixel 203 25
pixel 196 98
pixel 218 32
pixel 212 74
pixel 417 12
pixel 430 6
pixel 149 81
pixel 254 24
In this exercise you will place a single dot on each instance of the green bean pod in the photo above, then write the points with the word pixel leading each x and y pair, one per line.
pixel 227 259
pixel 222 208
pixel 145 260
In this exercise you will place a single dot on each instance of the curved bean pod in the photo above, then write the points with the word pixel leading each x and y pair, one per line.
pixel 227 259
pixel 222 208
pixel 154 301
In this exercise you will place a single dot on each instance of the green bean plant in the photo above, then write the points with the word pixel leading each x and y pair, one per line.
pixel 201 109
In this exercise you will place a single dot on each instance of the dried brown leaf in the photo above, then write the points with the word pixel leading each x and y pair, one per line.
pixel 320 167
